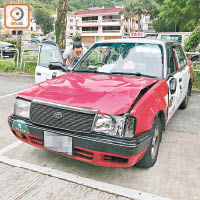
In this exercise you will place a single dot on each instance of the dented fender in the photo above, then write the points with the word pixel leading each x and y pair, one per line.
pixel 149 105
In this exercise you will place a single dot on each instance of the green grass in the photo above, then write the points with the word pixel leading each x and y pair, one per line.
pixel 196 83
pixel 7 67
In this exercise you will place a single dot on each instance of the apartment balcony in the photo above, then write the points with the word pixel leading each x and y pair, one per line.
pixel 111 20
pixel 102 33
pixel 99 23
pixel 90 31
pixel 111 31
pixel 90 21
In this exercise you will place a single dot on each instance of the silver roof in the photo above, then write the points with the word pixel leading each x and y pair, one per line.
pixel 138 40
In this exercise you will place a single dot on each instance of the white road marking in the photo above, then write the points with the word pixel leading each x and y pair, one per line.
pixel 98 185
pixel 10 147
pixel 10 94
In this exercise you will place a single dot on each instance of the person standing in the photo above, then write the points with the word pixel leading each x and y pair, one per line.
pixel 72 54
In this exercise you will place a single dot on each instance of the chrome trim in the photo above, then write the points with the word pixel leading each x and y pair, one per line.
pixel 94 122
pixel 82 110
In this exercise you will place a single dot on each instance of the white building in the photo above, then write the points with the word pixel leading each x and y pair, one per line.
pixel 103 23
pixel 99 24
pixel 146 24
pixel 71 28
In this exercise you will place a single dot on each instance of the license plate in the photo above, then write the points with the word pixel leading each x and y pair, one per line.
pixel 58 143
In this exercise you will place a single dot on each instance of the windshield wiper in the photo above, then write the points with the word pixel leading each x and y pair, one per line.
pixel 112 73
pixel 92 72
pixel 136 74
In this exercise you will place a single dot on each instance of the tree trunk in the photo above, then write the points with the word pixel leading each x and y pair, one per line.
pixel 60 25
pixel 139 22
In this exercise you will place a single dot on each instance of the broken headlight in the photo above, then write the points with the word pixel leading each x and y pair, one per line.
pixel 118 126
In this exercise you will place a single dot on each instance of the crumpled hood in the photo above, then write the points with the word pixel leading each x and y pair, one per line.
pixel 109 94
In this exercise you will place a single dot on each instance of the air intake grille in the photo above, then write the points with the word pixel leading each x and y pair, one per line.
pixel 61 118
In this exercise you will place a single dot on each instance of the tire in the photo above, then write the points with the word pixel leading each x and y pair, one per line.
pixel 185 102
pixel 151 154
pixel 190 88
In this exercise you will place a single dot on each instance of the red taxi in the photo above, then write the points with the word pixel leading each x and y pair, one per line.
pixel 112 108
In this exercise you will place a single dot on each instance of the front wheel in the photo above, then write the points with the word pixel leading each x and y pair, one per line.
pixel 151 154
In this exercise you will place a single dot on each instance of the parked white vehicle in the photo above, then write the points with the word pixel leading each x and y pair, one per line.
pixel 49 52
pixel 179 37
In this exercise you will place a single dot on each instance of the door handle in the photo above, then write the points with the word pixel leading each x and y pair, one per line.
pixel 38 73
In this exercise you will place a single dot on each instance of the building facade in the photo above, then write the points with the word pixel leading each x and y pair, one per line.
pixel 98 24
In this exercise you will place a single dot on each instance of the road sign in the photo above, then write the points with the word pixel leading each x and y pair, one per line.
pixel 16 16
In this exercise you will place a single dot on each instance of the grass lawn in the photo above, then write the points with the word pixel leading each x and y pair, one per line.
pixel 8 66
pixel 196 78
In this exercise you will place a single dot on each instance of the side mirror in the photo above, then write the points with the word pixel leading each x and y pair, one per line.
pixel 172 85
pixel 57 66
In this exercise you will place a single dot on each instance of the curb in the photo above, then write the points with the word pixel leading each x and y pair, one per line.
pixel 90 183
pixel 21 75
pixel 196 91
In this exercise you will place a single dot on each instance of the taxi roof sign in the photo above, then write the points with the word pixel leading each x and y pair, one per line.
pixel 137 34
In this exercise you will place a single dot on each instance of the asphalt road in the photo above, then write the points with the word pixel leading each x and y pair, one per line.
pixel 176 175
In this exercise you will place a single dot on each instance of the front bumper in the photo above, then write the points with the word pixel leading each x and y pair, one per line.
pixel 92 148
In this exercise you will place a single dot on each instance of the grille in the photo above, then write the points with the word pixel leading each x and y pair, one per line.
pixel 82 153
pixel 71 119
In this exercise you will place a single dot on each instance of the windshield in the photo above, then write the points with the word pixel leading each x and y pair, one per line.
pixel 123 58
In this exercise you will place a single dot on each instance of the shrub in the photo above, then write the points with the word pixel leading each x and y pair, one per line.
pixel 14 42
pixel 193 40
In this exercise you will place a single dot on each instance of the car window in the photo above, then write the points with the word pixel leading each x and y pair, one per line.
pixel 124 58
pixel 177 38
pixel 49 53
pixel 172 65
pixel 180 57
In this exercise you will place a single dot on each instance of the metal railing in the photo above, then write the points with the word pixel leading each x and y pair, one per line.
pixel 90 31
pixel 111 31
pixel 28 53
pixel 111 20
pixel 90 21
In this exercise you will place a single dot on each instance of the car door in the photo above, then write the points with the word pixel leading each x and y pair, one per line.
pixel 174 77
pixel 184 71
pixel 49 52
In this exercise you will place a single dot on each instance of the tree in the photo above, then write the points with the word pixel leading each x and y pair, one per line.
pixel 0 20
pixel 44 19
pixel 60 26
pixel 193 40
pixel 164 25
pixel 183 13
